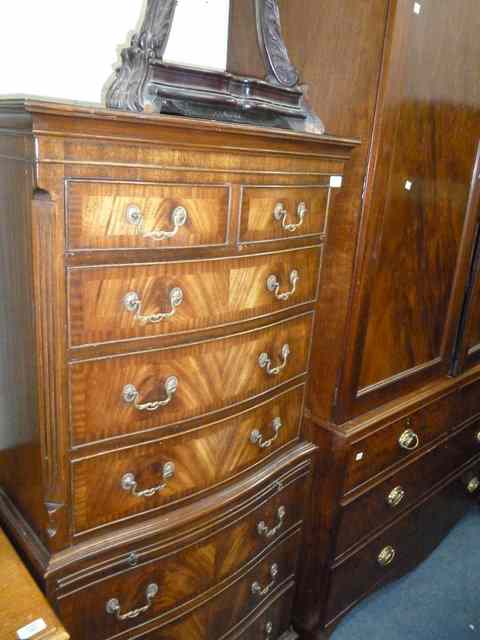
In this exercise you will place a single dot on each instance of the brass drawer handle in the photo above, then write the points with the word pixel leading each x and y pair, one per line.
pixel 130 395
pixel 257 438
pixel 133 303
pixel 263 529
pixel 273 285
pixel 135 216
pixel 265 362
pixel 280 214
pixel 386 556
pixel 268 630
pixel 473 485
pixel 258 590
pixel 130 484
pixel 395 496
pixel 409 440
pixel 477 437
pixel 113 605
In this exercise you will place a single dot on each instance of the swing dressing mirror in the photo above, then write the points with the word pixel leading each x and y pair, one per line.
pixel 177 64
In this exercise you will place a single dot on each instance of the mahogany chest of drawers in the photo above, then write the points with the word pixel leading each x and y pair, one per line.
pixel 160 278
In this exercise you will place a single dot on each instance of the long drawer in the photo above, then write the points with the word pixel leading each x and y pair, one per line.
pixel 377 506
pixel 136 215
pixel 126 394
pixel 119 484
pixel 270 622
pixel 127 601
pixel 398 440
pixel 111 303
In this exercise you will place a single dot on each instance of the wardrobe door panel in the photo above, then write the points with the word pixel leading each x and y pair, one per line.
pixel 416 264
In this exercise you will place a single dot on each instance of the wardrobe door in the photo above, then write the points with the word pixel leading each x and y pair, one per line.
pixel 467 351
pixel 413 256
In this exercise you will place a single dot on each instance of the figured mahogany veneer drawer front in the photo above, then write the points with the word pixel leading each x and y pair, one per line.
pixel 130 215
pixel 267 624
pixel 156 588
pixel 115 485
pixel 125 394
pixel 135 301
pixel 398 440
pixel 382 503
pixel 272 212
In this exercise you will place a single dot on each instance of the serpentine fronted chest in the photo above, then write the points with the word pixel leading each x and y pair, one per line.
pixel 159 279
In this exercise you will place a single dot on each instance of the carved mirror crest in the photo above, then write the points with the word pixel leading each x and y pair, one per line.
pixel 144 81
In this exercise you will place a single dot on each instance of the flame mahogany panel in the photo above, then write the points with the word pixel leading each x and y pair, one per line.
pixel 97 214
pixel 211 375
pixel 417 238
pixel 203 458
pixel 258 204
pixel 181 578
pixel 215 292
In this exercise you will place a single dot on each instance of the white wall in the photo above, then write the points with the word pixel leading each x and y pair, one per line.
pixel 68 49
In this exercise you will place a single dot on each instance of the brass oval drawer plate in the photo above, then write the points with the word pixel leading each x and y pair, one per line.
pixel 409 440
pixel 396 496
pixel 473 484
pixel 386 556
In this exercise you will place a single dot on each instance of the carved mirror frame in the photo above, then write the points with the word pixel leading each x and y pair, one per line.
pixel 144 82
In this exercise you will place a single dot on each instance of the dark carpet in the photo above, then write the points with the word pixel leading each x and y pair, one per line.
pixel 440 600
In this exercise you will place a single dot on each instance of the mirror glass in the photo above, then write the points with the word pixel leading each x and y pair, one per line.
pixel 199 35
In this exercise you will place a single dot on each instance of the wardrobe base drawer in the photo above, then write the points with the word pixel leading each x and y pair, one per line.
pixel 372 509
pixel 398 440
pixel 397 549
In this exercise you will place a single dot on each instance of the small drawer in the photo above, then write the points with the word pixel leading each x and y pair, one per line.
pixel 398 440
pixel 375 508
pixel 276 213
pixel 112 486
pixel 136 301
pixel 126 394
pixel 125 601
pixel 134 215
